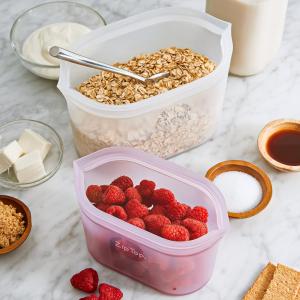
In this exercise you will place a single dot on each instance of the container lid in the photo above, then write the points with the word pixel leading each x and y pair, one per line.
pixel 109 161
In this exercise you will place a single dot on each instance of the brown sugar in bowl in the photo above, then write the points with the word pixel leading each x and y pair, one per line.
pixel 24 210
pixel 251 169
pixel 264 136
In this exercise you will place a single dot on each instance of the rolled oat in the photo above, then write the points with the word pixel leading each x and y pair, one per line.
pixel 164 133
pixel 184 66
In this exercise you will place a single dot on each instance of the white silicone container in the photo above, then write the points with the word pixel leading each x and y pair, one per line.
pixel 171 267
pixel 166 124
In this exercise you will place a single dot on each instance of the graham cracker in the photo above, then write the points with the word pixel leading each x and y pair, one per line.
pixel 284 285
pixel 261 284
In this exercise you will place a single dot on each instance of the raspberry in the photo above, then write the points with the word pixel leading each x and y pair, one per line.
pixel 86 280
pixel 154 223
pixel 113 195
pixel 91 297
pixel 198 213
pixel 176 211
pixel 123 182
pixel 158 210
pixel 196 228
pixel 133 193
pixel 148 183
pixel 138 222
pixel 147 201
pixel 146 188
pixel 104 187
pixel 109 292
pixel 102 206
pixel 135 209
pixel 94 193
pixel 163 197
pixel 117 211
pixel 176 222
pixel 175 233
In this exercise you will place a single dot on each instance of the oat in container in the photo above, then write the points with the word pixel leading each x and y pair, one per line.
pixel 164 132
pixel 184 66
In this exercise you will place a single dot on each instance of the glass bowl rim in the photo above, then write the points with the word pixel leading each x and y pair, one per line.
pixel 22 14
pixel 11 184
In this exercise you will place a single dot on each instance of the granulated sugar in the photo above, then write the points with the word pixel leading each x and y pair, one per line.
pixel 241 191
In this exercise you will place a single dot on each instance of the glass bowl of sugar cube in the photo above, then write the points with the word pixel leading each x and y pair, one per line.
pixel 31 152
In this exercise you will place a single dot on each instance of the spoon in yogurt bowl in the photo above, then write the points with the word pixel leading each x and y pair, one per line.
pixel 75 58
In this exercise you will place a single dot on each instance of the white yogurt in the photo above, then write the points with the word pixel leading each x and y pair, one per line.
pixel 257 27
pixel 36 46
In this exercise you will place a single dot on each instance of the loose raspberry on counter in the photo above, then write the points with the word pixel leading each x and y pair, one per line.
pixel 154 223
pixel 175 233
pixel 117 211
pixel 109 292
pixel 196 228
pixel 138 222
pixel 158 210
pixel 198 213
pixel 123 182
pixel 103 206
pixel 176 211
pixel 91 297
pixel 113 195
pixel 135 209
pixel 132 193
pixel 94 193
pixel 163 197
pixel 86 280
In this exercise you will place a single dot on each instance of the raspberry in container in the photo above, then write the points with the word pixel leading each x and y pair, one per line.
pixel 168 123
pixel 171 267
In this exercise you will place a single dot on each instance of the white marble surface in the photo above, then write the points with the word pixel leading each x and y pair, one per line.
pixel 56 247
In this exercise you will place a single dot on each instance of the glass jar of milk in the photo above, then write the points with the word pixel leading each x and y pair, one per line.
pixel 257 27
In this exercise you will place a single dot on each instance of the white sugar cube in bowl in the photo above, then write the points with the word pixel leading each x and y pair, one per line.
pixel 41 157
pixel 29 167
pixel 9 155
pixel 31 141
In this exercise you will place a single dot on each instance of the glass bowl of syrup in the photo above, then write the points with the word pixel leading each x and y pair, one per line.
pixel 279 144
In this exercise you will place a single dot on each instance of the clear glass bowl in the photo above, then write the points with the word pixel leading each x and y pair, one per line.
pixel 12 131
pixel 45 14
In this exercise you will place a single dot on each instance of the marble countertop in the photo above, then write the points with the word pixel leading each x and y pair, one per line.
pixel 41 268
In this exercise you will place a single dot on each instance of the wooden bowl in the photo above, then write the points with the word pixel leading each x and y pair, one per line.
pixel 251 169
pixel 24 210
pixel 267 132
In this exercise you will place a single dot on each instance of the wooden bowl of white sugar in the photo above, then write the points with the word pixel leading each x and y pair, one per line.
pixel 247 189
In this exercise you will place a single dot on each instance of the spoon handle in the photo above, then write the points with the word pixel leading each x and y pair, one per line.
pixel 87 62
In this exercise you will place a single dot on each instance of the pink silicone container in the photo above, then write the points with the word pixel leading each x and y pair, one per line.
pixel 171 267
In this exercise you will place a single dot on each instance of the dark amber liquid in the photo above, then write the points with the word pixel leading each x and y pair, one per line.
pixel 284 147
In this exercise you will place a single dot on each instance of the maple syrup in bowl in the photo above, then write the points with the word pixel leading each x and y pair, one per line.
pixel 279 144
pixel 284 146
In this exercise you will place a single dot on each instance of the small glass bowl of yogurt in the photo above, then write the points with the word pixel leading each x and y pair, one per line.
pixel 59 23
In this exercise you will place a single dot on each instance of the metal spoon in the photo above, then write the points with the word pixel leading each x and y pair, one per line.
pixel 87 62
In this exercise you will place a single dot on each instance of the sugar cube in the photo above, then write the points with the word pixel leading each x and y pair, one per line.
pixel 29 167
pixel 31 141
